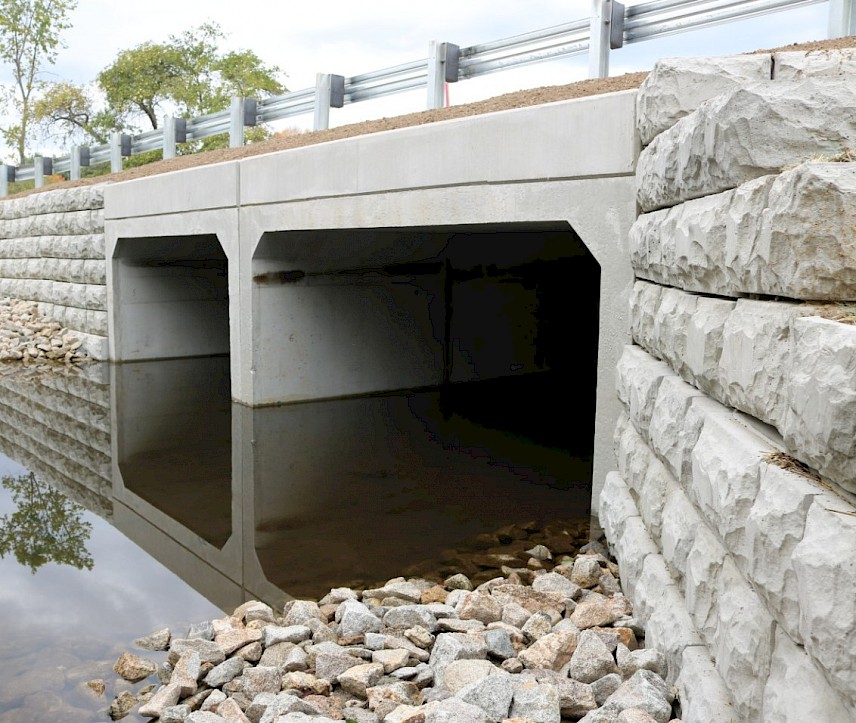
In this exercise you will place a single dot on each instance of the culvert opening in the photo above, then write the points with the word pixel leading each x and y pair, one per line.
pixel 446 383
pixel 171 297
pixel 171 331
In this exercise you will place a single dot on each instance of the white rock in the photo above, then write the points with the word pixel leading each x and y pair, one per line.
pixel 756 350
pixel 677 86
pixel 704 697
pixel 616 506
pixel 638 377
pixel 794 64
pixel 774 527
pixel 726 477
pixel 631 551
pixel 826 580
pixel 704 563
pixel 743 641
pixel 810 700
pixel 748 133
pixel 820 423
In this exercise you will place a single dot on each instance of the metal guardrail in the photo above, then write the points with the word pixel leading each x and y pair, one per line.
pixel 610 26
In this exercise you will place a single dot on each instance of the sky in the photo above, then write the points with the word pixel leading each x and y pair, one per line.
pixel 349 38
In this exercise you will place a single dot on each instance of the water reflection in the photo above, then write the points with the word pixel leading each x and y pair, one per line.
pixel 243 503
pixel 291 500
pixel 45 527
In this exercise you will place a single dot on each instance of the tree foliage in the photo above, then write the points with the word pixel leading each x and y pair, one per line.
pixel 47 526
pixel 69 111
pixel 187 75
pixel 30 35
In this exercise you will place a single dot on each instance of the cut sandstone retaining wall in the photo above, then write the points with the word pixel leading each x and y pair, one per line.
pixel 744 569
pixel 52 252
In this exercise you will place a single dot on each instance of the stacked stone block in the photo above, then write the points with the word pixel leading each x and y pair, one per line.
pixel 732 511
pixel 52 253
pixel 58 426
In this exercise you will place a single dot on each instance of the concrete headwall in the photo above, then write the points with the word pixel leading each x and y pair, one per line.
pixel 52 253
pixel 732 509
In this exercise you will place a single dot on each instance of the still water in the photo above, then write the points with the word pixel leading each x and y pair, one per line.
pixel 137 497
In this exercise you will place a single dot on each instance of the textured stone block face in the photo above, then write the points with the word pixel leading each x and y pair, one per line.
pixel 631 550
pixel 674 427
pixel 705 561
pixel 810 699
pixel 825 569
pixel 785 235
pixel 638 379
pixel 644 302
pixel 756 349
pixel 677 86
pixel 725 479
pixel 820 423
pixel 751 132
pixel 743 642
pixel 704 697
pixel 52 253
pixel 796 64
pixel 774 527
pixel 618 506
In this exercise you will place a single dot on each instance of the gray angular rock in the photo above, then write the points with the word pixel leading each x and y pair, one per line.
pixel 224 672
pixel 408 616
pixel 642 692
pixel 297 612
pixel 591 660
pixel 358 678
pixel 454 710
pixel 274 634
pixel 454 646
pixel 538 702
pixel 499 644
pixel 492 694
pixel 159 640
pixel 356 619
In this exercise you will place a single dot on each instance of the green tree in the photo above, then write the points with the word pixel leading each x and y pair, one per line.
pixel 187 75
pixel 68 110
pixel 30 36
pixel 47 526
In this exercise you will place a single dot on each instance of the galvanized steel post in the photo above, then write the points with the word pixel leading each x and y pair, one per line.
pixel 329 93
pixel 436 80
pixel 842 18
pixel 74 161
pixel 115 152
pixel 4 180
pixel 601 15
pixel 236 123
pixel 38 171
pixel 168 136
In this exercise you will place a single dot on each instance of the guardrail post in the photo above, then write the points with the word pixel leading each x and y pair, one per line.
pixel 442 68
pixel 842 18
pixel 7 173
pixel 236 123
pixel 329 93
pixel 606 33
pixel 120 145
pixel 74 163
pixel 174 131
pixel 38 171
